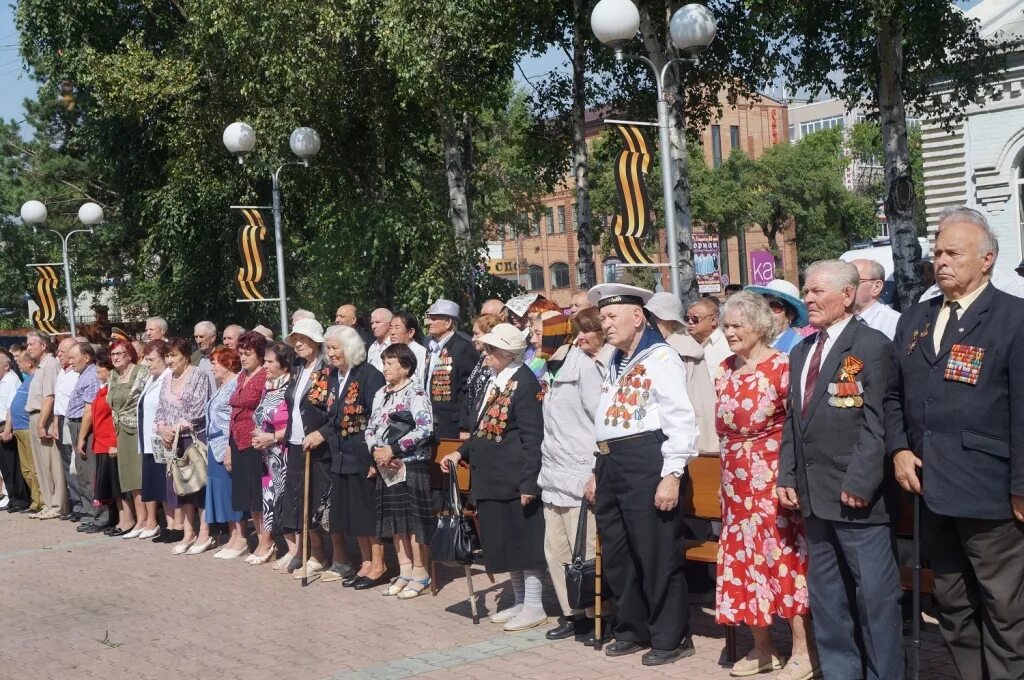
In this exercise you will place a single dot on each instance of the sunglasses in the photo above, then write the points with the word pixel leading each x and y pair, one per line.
pixel 690 319
pixel 776 306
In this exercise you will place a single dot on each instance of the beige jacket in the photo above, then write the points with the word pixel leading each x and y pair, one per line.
pixel 700 389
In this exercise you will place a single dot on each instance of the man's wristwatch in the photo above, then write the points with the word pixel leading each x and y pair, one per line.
pixel 676 475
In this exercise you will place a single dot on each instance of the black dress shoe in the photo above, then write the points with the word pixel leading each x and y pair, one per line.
pixel 606 634
pixel 82 527
pixel 93 529
pixel 170 536
pixel 115 532
pixel 350 582
pixel 659 657
pixel 566 628
pixel 624 647
pixel 365 582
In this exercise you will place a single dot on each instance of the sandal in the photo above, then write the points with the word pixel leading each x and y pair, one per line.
pixel 754 665
pixel 412 590
pixel 798 668
pixel 398 585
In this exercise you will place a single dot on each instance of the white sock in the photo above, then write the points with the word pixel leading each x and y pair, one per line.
pixel 533 604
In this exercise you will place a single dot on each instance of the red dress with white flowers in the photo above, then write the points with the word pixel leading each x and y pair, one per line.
pixel 762 556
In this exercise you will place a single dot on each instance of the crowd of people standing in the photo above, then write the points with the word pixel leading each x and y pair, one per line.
pixel 588 416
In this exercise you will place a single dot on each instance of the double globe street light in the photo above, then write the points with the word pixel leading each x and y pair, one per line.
pixel 691 28
pixel 34 213
pixel 240 139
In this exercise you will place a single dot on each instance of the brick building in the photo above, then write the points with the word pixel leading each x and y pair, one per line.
pixel 544 259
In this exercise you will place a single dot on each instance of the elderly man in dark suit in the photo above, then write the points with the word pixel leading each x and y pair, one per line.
pixel 955 427
pixel 450 359
pixel 833 471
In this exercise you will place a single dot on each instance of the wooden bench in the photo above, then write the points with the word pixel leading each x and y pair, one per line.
pixel 701 501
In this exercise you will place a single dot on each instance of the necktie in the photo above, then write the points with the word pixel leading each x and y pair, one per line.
pixel 950 330
pixel 812 371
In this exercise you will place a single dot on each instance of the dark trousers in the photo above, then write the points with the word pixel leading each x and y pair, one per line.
pixel 979 589
pixel 642 549
pixel 86 481
pixel 66 452
pixel 854 589
pixel 10 470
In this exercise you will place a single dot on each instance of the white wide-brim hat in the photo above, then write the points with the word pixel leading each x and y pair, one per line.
pixel 311 328
pixel 505 336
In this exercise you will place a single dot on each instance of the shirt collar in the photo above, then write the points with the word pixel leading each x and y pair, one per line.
pixel 714 338
pixel 439 343
pixel 506 374
pixel 649 339
pixel 836 329
pixel 968 299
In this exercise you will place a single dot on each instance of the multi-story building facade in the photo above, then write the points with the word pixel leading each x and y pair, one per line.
pixel 544 259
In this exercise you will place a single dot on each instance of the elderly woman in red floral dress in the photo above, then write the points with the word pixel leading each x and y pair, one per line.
pixel 762 558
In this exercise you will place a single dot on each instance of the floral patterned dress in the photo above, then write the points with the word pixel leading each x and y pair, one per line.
pixel 762 556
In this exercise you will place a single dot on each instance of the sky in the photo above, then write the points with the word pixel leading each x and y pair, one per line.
pixel 16 84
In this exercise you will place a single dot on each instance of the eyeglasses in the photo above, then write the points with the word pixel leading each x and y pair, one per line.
pixel 691 319
pixel 118 354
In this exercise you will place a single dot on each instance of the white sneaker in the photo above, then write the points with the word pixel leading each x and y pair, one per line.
pixel 506 615
pixel 525 621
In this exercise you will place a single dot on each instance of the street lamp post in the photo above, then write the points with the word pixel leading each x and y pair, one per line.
pixel 240 139
pixel 90 215
pixel 692 28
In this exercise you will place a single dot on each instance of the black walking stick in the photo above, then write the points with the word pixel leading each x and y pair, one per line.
pixel 598 621
pixel 915 650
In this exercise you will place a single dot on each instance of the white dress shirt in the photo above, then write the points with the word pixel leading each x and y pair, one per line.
pixel 8 387
pixel 65 385
pixel 716 350
pixel 298 433
pixel 1011 284
pixel 434 354
pixel 373 353
pixel 832 332
pixel 150 400
pixel 881 318
pixel 667 407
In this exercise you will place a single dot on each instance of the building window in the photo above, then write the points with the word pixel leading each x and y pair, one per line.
pixel 535 224
pixel 536 277
pixel 561 219
pixel 612 271
pixel 559 275
pixel 716 145
pixel 734 137
pixel 821 124
pixel 551 220
pixel 792 132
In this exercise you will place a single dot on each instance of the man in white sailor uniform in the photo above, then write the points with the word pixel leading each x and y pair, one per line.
pixel 646 433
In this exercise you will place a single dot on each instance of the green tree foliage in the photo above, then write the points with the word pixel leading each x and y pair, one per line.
pixel 865 146
pixel 801 182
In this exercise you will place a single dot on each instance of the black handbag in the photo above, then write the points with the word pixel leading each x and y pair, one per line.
pixel 453 539
pixel 580 574
pixel 400 423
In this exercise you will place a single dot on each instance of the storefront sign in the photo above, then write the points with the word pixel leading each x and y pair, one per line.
pixel 706 263
pixel 762 267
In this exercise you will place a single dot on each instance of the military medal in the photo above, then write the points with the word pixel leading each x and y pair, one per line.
pixel 964 364
pixel 917 336
pixel 846 391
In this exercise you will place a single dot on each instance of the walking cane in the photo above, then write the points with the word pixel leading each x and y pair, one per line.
pixel 305 526
pixel 915 651
pixel 598 623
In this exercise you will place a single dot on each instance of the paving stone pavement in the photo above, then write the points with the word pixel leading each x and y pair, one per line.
pixel 79 606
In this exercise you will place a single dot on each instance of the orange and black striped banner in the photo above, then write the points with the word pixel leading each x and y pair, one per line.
pixel 250 247
pixel 44 319
pixel 634 218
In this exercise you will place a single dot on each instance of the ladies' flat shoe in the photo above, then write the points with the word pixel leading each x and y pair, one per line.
pixel 506 615
pixel 182 548
pixel 753 665
pixel 798 668
pixel 415 588
pixel 229 554
pixel 134 533
pixel 283 561
pixel 257 560
pixel 200 548
pixel 117 533
pixel 312 568
pixel 365 582
pixel 149 533
pixel 397 585
pixel 525 621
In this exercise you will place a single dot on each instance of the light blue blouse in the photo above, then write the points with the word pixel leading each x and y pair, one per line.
pixel 218 420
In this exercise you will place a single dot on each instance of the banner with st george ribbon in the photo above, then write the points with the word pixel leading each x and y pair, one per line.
pixel 634 218
pixel 44 319
pixel 250 246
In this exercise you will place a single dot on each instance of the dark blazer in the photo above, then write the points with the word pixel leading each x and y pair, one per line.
pixel 508 469
pixel 970 437
pixel 838 449
pixel 313 411
pixel 345 432
pixel 448 408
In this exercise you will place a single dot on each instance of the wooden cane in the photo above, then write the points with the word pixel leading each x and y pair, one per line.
pixel 598 623
pixel 305 526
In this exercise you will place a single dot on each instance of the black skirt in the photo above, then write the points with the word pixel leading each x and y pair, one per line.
pixel 352 505
pixel 405 508
pixel 294 485
pixel 512 537
pixel 106 487
pixel 246 479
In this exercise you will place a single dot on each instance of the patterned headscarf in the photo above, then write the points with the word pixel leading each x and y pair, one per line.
pixel 556 339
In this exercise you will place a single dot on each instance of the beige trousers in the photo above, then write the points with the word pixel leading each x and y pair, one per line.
pixel 49 468
pixel 559 539
pixel 26 460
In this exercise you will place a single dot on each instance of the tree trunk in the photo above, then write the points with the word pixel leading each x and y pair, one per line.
pixel 900 203
pixel 455 171
pixel 655 46
pixel 586 276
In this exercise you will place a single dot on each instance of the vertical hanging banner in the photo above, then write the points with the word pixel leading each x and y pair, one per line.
pixel 250 246
pixel 44 319
pixel 707 262
pixel 634 217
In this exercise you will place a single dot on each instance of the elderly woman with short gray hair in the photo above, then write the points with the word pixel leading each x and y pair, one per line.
pixel 762 557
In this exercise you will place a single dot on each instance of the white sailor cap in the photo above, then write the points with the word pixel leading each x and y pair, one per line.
pixel 604 294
